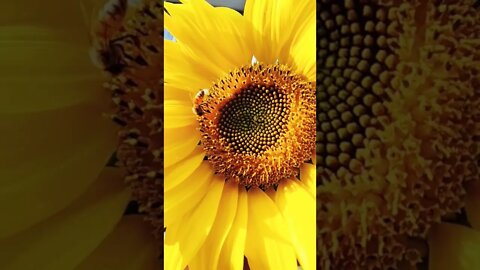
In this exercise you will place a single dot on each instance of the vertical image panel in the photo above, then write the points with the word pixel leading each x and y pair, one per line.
pixel 239 135
pixel 397 145
pixel 81 134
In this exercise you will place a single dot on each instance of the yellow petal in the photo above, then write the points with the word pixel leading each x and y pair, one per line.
pixel 289 198
pixel 276 25
pixel 48 159
pixel 472 204
pixel 208 256
pixel 178 114
pixel 62 241
pixel 308 173
pixel 173 259
pixel 130 246
pixel 176 92
pixel 177 173
pixel 186 196
pixel 179 143
pixel 198 26
pixel 262 38
pixel 303 52
pixel 42 70
pixel 268 243
pixel 454 247
pixel 193 232
pixel 183 70
pixel 60 14
pixel 232 254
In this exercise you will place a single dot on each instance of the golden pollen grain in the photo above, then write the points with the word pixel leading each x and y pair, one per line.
pixel 258 124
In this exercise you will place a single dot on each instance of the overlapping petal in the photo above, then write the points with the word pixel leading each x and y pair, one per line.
pixel 268 244
pixel 203 32
pixel 453 247
pixel 186 237
pixel 130 246
pixel 65 239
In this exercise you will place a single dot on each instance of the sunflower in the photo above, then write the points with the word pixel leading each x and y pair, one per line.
pixel 239 136
pixel 62 208
pixel 398 135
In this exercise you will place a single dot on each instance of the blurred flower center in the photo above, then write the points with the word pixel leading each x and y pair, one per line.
pixel 258 124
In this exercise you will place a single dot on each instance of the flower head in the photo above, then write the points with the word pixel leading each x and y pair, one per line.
pixel 240 135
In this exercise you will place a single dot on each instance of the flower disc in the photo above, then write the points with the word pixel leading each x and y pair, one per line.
pixel 258 124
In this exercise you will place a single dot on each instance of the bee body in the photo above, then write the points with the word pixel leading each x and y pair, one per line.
pixel 199 106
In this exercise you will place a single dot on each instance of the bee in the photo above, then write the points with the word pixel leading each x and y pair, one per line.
pixel 107 52
pixel 198 102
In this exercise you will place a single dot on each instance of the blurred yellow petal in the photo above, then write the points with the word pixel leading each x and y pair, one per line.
pixel 51 122
pixel 62 241
pixel 454 247
pixel 472 204
pixel 267 245
pixel 42 70
pixel 289 198
pixel 65 15
pixel 208 256
pixel 48 159
pixel 130 246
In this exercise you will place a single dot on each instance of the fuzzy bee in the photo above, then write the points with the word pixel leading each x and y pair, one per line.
pixel 106 51
pixel 199 106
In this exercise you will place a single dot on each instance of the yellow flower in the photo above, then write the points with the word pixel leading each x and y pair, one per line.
pixel 239 173
pixel 61 207
pixel 398 135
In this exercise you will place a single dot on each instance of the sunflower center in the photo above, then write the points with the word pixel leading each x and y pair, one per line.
pixel 258 124
pixel 254 119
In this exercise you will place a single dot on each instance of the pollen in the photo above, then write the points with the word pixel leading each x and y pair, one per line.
pixel 258 124
pixel 397 127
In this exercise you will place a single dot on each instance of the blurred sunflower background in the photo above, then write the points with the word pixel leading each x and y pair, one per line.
pixel 398 134
pixel 62 197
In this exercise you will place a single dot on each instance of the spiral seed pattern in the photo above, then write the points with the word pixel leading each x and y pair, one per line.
pixel 254 119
